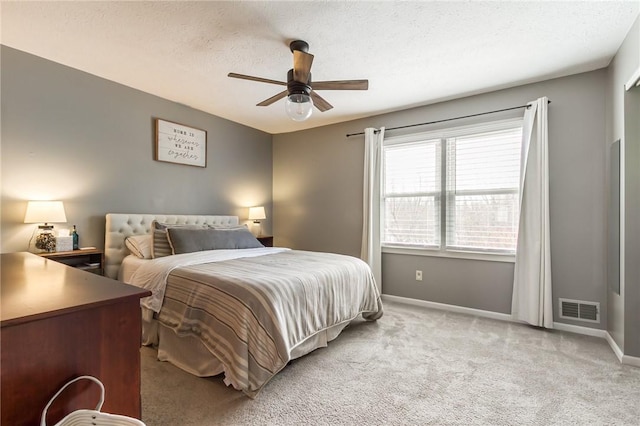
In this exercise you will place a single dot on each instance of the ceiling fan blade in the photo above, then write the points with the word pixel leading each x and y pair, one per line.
pixel 341 85
pixel 273 99
pixel 320 103
pixel 260 79
pixel 302 66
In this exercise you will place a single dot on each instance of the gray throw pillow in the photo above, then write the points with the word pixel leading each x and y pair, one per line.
pixel 191 240
pixel 161 247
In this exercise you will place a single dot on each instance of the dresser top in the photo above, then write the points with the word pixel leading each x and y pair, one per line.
pixel 33 288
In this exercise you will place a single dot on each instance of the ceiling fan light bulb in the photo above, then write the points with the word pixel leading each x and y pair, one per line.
pixel 298 106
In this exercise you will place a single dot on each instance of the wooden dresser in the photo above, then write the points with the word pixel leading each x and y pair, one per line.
pixel 57 323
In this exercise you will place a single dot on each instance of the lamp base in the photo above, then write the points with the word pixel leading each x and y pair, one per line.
pixel 256 228
pixel 45 240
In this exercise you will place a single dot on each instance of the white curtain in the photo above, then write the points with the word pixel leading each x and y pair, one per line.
pixel 371 251
pixel 532 301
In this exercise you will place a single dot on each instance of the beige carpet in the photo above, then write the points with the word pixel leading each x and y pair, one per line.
pixel 416 366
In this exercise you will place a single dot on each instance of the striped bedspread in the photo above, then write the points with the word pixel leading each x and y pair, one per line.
pixel 251 312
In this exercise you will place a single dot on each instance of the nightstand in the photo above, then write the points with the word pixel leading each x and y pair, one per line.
pixel 266 240
pixel 91 260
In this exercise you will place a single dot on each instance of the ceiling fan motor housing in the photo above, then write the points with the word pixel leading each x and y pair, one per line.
pixel 296 87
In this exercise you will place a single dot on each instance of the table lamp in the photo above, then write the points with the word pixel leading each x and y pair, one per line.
pixel 45 212
pixel 257 214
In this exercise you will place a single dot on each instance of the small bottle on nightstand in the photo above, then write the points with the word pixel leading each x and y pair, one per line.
pixel 74 234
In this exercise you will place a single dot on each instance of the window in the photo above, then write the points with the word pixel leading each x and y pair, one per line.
pixel 412 190
pixel 455 190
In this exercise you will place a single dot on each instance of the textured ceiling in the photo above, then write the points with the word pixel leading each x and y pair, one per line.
pixel 413 53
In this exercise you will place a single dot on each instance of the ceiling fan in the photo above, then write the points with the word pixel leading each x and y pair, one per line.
pixel 301 91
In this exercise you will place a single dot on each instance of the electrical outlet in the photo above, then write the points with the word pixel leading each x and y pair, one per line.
pixel 418 275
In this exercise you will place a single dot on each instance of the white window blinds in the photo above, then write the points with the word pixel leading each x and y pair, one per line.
pixel 458 191
pixel 411 193
pixel 483 172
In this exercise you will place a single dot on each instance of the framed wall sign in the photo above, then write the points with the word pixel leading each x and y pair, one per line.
pixel 177 143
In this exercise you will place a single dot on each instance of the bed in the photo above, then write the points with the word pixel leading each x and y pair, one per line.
pixel 222 304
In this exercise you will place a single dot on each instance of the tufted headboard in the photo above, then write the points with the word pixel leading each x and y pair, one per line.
pixel 122 225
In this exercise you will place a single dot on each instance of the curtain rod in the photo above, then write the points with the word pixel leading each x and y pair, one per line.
pixel 446 119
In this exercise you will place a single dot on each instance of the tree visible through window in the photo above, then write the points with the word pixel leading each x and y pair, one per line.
pixel 458 191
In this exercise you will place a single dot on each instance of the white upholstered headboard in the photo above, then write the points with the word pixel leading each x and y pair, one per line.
pixel 122 225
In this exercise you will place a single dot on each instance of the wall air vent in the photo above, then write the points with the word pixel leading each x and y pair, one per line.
pixel 579 310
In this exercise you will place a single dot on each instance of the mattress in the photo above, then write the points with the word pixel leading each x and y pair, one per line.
pixel 129 265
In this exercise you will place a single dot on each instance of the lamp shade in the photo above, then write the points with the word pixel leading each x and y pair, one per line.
pixel 257 213
pixel 45 212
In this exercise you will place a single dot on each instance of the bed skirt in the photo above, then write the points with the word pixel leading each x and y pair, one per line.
pixel 191 355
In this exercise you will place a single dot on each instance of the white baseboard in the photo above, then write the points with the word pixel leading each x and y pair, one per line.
pixel 450 308
pixel 631 360
pixel 614 346
pixel 624 359
pixel 587 331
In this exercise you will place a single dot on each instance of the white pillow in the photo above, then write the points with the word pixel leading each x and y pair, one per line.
pixel 140 245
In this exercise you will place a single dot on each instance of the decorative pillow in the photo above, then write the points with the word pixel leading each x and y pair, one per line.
pixel 161 247
pixel 191 240
pixel 140 245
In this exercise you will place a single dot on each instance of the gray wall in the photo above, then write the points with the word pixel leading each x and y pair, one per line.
pixel 624 323
pixel 632 223
pixel 317 197
pixel 87 141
